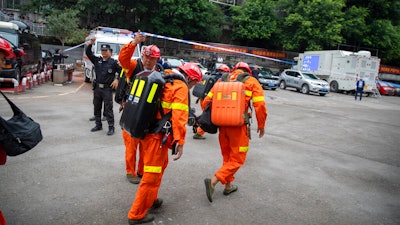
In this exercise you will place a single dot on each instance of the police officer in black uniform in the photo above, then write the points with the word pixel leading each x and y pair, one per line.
pixel 107 70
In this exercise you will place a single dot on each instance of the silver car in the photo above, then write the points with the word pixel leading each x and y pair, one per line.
pixel 303 81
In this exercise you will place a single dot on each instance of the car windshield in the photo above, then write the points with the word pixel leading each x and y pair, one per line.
pixel 174 62
pixel 310 76
pixel 264 74
pixel 201 66
pixel 13 38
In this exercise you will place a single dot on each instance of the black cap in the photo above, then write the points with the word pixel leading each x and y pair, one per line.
pixel 105 47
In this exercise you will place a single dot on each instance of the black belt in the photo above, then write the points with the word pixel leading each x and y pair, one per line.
pixel 103 85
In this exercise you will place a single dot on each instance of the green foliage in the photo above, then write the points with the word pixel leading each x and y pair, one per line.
pixel 386 37
pixel 64 26
pixel 354 25
pixel 312 25
pixel 255 20
pixel 188 19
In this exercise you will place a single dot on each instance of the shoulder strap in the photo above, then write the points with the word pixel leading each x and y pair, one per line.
pixel 14 108
pixel 171 77
pixel 225 77
pixel 243 77
pixel 139 67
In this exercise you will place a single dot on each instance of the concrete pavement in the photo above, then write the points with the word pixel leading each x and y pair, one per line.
pixel 324 160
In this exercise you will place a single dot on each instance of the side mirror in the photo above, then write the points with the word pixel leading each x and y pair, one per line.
pixel 19 52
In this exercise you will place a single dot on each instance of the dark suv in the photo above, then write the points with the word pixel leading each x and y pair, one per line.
pixel 18 34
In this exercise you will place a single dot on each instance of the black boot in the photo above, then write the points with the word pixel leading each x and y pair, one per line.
pixel 96 128
pixel 110 131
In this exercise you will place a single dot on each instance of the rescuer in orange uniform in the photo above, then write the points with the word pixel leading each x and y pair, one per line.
pixel 175 97
pixel 234 141
pixel 150 56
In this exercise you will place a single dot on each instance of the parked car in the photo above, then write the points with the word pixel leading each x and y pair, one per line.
pixel 174 61
pixel 268 80
pixel 385 88
pixel 303 81
pixel 268 70
pixel 396 88
pixel 203 69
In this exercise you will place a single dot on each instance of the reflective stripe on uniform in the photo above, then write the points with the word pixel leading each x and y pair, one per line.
pixel 210 94
pixel 152 169
pixel 258 99
pixel 175 105
pixel 243 148
pixel 248 93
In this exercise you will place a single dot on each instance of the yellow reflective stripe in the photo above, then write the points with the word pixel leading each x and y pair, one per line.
pixel 152 169
pixel 248 93
pixel 152 93
pixel 122 72
pixel 210 95
pixel 175 105
pixel 140 88
pixel 234 96
pixel 135 82
pixel 243 148
pixel 219 95
pixel 258 99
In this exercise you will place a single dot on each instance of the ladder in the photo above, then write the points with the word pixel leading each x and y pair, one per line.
pixel 376 90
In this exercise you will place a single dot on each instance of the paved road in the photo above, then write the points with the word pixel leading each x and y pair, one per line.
pixel 324 160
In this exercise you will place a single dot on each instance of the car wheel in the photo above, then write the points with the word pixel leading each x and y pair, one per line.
pixel 305 89
pixel 282 85
pixel 334 86
pixel 87 75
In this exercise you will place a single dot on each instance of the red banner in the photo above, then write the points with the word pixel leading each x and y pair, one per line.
pixel 204 48
pixel 387 69
pixel 271 54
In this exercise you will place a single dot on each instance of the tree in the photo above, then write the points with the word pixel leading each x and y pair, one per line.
pixel 188 19
pixel 63 25
pixel 312 25
pixel 254 22
pixel 385 37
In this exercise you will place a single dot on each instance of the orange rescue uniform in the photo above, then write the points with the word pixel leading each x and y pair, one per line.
pixel 131 143
pixel 234 141
pixel 155 155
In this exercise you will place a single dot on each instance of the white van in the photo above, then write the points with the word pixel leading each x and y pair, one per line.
pixel 114 37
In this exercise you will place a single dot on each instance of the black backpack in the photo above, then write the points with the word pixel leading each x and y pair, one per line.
pixel 124 87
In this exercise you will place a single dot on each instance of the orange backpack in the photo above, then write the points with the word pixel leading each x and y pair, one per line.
pixel 228 102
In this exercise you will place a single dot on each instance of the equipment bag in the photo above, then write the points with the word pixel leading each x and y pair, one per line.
pixel 228 102
pixel 142 104
pixel 204 121
pixel 20 133
pixel 200 90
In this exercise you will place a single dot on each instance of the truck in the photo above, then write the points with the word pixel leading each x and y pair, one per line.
pixel 341 69
pixel 115 37
pixel 21 38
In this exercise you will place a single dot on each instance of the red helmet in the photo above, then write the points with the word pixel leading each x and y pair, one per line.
pixel 224 68
pixel 5 46
pixel 242 65
pixel 152 51
pixel 192 70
